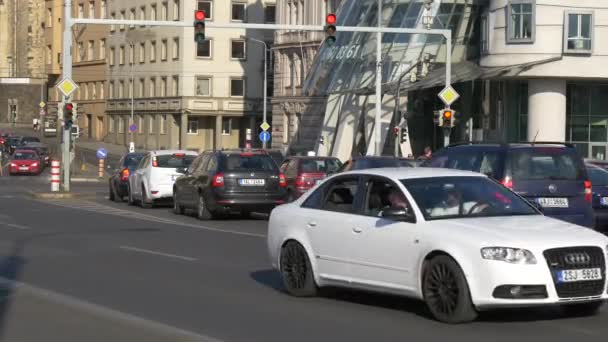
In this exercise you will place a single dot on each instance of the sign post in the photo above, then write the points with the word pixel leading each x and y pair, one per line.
pixel 102 153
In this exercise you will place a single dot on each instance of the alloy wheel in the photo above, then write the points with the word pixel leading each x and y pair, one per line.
pixel 442 292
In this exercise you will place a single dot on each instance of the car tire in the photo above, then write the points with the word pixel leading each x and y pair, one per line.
pixel 114 195
pixel 202 211
pixel 446 291
pixel 296 271
pixel 245 214
pixel 582 309
pixel 111 193
pixel 144 199
pixel 177 208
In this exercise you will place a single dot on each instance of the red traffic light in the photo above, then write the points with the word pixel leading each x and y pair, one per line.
pixel 69 106
pixel 331 19
pixel 199 15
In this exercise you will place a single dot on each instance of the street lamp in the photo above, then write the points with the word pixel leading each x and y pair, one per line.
pixel 265 78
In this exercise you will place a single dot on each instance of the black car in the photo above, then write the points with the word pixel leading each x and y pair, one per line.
pixel 219 182
pixel 119 179
pixel 371 162
pixel 28 140
pixel 12 143
pixel 549 175
pixel 599 180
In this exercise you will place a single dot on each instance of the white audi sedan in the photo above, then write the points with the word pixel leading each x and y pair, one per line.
pixel 455 239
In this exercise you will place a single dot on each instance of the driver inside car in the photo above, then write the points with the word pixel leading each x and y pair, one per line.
pixel 453 205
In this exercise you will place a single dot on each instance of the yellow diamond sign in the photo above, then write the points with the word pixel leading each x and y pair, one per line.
pixel 42 104
pixel 67 86
pixel 265 126
pixel 448 95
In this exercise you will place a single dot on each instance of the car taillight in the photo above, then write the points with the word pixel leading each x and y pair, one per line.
pixel 282 181
pixel 154 162
pixel 300 181
pixel 304 182
pixel 124 175
pixel 588 192
pixel 218 180
pixel 507 182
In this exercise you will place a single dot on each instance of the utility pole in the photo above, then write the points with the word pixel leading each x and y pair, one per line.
pixel 264 118
pixel 378 119
pixel 67 74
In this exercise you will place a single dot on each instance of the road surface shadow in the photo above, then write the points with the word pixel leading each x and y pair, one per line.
pixel 272 279
pixel 11 267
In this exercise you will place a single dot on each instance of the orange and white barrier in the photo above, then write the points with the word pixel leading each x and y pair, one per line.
pixel 101 164
pixel 55 175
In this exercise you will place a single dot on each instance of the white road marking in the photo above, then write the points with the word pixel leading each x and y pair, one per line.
pixel 147 251
pixel 104 209
pixel 105 312
pixel 14 225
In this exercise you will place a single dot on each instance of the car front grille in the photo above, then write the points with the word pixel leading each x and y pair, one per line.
pixel 559 259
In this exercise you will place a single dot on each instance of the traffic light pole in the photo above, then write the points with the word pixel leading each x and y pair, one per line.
pixel 67 74
pixel 447 34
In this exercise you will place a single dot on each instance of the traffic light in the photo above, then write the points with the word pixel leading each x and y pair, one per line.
pixel 448 118
pixel 330 29
pixel 438 118
pixel 199 26
pixel 403 135
pixel 68 116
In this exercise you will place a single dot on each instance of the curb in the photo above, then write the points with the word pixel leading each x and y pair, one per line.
pixel 86 180
pixel 59 195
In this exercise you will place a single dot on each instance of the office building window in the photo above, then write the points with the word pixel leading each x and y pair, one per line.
pixel 238 49
pixel 112 27
pixel 123 16
pixel 90 50
pixel 175 49
pixel 192 126
pixel 121 55
pixel 142 13
pixel 162 124
pixel 163 50
pixel 131 90
pixel 131 54
pixel 91 9
pixel 141 87
pixel 80 52
pixel 153 51
pixel 226 126
pixel 204 49
pixel 132 17
pixel 85 91
pixel 270 13
pixel 207 7
pixel 121 89
pixel 102 49
pixel 142 52
pixel 164 11
pixel 112 56
pixel 521 21
pixel 49 54
pixel 485 33
pixel 237 87
pixel 163 86
pixel 203 86
pixel 121 124
pixel 102 90
pixel 151 124
pixel 153 12
pixel 111 90
pixel 152 91
pixel 111 126
pixel 175 10
pixel 49 17
pixel 140 124
pixel 104 9
pixel 175 86
pixel 93 90
pixel 578 32
pixel 238 11
pixel 81 11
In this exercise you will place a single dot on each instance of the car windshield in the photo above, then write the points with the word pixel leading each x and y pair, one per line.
pixel 457 197
pixel 258 162
pixel 30 139
pixel 555 163
pixel 25 156
pixel 132 160
pixel 174 161
pixel 319 165
pixel 597 175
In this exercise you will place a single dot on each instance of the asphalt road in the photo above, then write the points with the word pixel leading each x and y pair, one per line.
pixel 93 270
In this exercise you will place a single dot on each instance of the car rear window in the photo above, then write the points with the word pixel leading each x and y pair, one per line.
pixel 258 162
pixel 597 175
pixel 174 160
pixel 25 156
pixel 545 163
pixel 319 165
pixel 132 160
pixel 30 139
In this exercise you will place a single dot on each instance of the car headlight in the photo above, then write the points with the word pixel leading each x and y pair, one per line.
pixel 508 254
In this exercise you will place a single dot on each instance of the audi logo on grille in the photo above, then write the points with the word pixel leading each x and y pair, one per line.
pixel 577 258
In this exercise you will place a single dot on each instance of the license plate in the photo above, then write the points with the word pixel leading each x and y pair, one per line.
pixel 252 182
pixel 24 168
pixel 604 201
pixel 586 274
pixel 553 202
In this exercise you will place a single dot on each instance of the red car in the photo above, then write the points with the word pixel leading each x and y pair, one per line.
pixel 25 162
pixel 302 173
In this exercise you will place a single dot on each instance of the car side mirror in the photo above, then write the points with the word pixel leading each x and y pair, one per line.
pixel 399 214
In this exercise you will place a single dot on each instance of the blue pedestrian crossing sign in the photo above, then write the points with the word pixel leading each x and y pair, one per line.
pixel 102 153
pixel 264 136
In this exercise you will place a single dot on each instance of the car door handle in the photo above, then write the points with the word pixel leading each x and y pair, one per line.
pixel 357 230
pixel 312 224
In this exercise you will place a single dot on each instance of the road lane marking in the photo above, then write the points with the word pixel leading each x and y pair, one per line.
pixel 14 225
pixel 108 210
pixel 147 251
pixel 104 312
